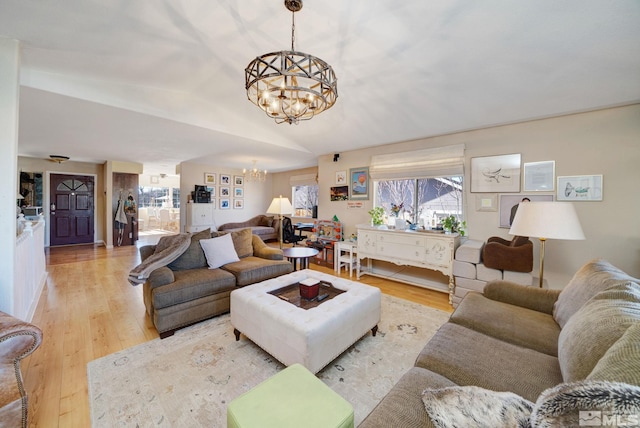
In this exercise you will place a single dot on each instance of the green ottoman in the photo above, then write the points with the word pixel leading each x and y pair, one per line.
pixel 292 398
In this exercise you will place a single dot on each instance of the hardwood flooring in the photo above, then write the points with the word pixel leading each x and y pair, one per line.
pixel 88 310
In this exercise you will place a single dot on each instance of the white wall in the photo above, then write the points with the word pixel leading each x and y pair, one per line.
pixel 257 196
pixel 603 142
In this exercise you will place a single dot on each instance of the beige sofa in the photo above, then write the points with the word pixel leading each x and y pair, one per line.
pixel 552 349
pixel 266 227
pixel 186 291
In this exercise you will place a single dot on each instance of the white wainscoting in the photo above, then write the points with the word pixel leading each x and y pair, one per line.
pixel 30 268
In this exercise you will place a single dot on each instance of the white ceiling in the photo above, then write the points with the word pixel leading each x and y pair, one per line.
pixel 162 81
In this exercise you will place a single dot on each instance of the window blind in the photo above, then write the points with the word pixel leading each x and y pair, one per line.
pixel 303 180
pixel 435 162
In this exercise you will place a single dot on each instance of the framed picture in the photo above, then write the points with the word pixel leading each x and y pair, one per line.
pixel 209 178
pixel 238 192
pixel 487 202
pixel 580 188
pixel 359 179
pixel 341 178
pixel 238 180
pixel 495 174
pixel 539 176
pixel 238 204
pixel 340 193
pixel 509 206
pixel 224 191
pixel 154 179
pixel 225 180
pixel 213 201
pixel 212 190
pixel 224 204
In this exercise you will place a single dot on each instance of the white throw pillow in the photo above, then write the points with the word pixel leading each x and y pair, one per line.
pixel 219 251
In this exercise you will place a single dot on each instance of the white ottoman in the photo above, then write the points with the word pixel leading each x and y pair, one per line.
pixel 312 337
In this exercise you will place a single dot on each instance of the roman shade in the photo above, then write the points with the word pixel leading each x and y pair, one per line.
pixel 435 162
pixel 303 180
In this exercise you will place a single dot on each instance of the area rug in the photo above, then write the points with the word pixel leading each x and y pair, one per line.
pixel 189 378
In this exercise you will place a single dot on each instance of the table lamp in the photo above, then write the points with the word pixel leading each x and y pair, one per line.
pixel 280 206
pixel 546 220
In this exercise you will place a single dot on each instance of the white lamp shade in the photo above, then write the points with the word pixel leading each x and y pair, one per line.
pixel 280 206
pixel 19 196
pixel 547 220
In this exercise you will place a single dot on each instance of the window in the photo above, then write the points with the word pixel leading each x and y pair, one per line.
pixel 422 200
pixel 159 197
pixel 305 198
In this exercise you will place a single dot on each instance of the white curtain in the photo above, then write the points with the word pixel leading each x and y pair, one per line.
pixel 435 162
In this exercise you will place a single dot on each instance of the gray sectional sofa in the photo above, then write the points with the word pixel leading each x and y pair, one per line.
pixel 562 351
pixel 186 291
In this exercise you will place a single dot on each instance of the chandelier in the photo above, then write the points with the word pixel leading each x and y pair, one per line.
pixel 291 86
pixel 254 174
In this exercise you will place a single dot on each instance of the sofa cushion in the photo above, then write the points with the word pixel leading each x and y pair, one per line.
pixel 587 403
pixel 593 277
pixel 192 284
pixel 403 406
pixel 255 269
pixel 471 406
pixel 193 257
pixel 595 328
pixel 513 324
pixel 266 221
pixel 219 251
pixel 621 362
pixel 242 241
pixel 468 357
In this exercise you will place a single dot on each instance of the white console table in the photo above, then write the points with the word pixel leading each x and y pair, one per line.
pixel 427 250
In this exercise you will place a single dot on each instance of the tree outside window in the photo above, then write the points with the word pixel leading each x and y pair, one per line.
pixel 304 199
pixel 421 200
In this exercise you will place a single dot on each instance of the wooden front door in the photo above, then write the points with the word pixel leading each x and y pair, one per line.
pixel 72 205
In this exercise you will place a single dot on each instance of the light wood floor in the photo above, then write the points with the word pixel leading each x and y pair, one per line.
pixel 88 310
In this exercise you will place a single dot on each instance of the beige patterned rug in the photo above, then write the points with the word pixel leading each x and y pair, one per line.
pixel 188 379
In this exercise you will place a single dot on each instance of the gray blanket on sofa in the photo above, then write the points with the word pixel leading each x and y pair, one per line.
pixel 168 249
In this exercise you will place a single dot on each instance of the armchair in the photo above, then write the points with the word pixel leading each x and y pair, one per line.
pixel 515 255
pixel 18 339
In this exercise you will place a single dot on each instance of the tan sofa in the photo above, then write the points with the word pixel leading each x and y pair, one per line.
pixel 266 227
pixel 186 291
pixel 18 339
pixel 544 346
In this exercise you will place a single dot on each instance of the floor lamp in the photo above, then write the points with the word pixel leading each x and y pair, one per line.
pixel 547 220
pixel 280 206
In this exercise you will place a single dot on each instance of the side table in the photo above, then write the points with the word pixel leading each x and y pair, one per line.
pixel 301 254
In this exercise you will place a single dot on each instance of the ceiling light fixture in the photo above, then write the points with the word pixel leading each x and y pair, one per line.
pixel 59 158
pixel 291 86
pixel 254 174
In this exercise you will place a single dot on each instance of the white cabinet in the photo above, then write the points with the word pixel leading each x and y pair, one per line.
pixel 199 217
pixel 408 248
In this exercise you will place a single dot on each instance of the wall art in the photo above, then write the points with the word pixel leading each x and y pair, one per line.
pixel 495 174
pixel 539 176
pixel 580 188
pixel 359 183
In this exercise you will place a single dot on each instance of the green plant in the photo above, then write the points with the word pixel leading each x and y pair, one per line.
pixel 452 224
pixel 377 214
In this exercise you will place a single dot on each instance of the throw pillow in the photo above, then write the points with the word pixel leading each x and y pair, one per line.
pixel 472 406
pixel 219 251
pixel 621 362
pixel 593 330
pixel 193 257
pixel 587 403
pixel 242 241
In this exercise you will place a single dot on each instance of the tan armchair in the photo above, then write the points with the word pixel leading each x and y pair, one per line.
pixel 515 255
pixel 18 339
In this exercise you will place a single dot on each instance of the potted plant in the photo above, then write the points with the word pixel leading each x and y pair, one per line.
pixel 451 224
pixel 377 216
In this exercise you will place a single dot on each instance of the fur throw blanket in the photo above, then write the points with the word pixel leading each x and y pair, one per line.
pixel 168 249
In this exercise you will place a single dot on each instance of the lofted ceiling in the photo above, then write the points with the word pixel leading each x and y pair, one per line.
pixel 162 81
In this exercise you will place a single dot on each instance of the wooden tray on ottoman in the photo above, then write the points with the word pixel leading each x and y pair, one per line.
pixel 291 293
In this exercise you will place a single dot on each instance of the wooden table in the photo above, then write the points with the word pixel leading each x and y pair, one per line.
pixel 299 253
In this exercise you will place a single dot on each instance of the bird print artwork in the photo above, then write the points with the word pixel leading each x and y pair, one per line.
pixel 494 175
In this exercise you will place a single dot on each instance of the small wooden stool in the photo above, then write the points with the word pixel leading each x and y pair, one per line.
pixel 292 398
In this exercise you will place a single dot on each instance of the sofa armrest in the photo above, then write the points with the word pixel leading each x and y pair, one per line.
pixel 262 250
pixel 146 251
pixel 537 299
pixel 499 240
pixel 161 276
pixel 18 338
